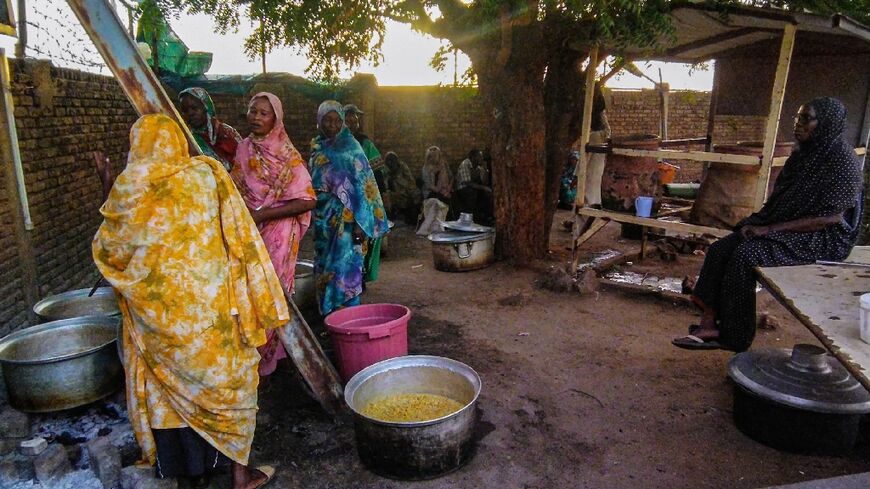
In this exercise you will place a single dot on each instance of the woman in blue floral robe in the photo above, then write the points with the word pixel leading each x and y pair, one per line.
pixel 349 210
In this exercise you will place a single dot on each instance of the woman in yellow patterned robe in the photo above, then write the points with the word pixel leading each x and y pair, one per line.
pixel 197 292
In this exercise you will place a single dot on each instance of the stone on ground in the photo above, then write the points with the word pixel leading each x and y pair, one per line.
pixel 105 461
pixel 136 477
pixel 51 465
pixel 33 446
pixel 14 423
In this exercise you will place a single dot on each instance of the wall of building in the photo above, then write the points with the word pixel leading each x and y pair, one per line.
pixel 62 116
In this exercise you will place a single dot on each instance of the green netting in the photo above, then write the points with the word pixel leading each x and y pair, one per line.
pixel 173 56
pixel 243 84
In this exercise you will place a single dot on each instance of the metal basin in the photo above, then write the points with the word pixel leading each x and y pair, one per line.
pixel 61 364
pixel 418 450
pixel 76 303
pixel 305 295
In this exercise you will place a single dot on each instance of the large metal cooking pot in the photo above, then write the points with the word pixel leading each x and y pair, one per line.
pixel 799 400
pixel 420 450
pixel 76 303
pixel 458 251
pixel 305 295
pixel 61 364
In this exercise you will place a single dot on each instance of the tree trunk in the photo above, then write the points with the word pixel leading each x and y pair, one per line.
pixel 563 99
pixel 514 96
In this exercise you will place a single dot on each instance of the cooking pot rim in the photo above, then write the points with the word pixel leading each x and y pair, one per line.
pixel 413 361
pixel 448 237
pixel 10 339
pixel 40 307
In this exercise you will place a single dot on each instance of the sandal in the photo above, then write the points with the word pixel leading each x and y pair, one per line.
pixel 268 471
pixel 692 342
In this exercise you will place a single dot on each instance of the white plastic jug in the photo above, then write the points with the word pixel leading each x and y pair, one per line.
pixel 865 318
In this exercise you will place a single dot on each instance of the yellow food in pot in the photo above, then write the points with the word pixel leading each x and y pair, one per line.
pixel 410 408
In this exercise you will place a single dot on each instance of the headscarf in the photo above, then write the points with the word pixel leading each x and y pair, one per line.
pixel 436 175
pixel 200 94
pixel 339 166
pixel 272 170
pixel 326 107
pixel 208 137
pixel 822 177
pixel 196 289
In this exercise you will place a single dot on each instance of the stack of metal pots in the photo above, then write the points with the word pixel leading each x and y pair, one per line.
pixel 68 361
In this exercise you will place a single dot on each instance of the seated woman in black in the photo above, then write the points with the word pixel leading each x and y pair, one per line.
pixel 812 214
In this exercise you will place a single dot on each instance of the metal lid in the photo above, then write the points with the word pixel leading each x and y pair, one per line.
pixel 457 237
pixel 466 223
pixel 805 377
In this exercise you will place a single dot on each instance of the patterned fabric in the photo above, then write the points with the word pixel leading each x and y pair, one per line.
pixel 464 174
pixel 346 194
pixel 372 263
pixel 821 178
pixel 371 152
pixel 197 291
pixel 269 172
pixel 216 139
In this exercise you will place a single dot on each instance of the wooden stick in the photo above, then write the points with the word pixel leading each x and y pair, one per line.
pixel 586 128
pixel 774 114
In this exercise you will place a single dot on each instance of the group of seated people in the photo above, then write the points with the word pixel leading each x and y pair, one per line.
pixel 446 196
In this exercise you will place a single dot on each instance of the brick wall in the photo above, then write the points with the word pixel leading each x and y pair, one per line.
pixel 62 116
pixel 12 310
pixel 408 120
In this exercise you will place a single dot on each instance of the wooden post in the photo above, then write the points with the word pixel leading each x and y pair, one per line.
pixel 773 115
pixel 21 45
pixel 711 114
pixel 665 91
pixel 16 194
pixel 582 165
pixel 580 199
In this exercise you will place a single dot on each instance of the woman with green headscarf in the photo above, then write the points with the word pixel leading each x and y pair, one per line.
pixel 215 138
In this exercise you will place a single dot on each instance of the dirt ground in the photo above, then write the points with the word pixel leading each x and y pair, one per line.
pixel 593 396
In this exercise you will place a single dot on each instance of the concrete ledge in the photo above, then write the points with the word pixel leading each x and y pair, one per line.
pixel 854 481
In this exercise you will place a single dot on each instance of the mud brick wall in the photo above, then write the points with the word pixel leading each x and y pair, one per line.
pixel 408 120
pixel 13 313
pixel 61 116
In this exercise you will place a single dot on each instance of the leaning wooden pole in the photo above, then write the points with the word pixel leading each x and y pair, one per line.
pixel 773 115
pixel 583 165
pixel 144 91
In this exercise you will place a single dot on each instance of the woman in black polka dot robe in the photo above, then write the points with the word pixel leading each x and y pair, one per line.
pixel 812 214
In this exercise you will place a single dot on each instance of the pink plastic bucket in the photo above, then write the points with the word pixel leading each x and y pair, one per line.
pixel 364 335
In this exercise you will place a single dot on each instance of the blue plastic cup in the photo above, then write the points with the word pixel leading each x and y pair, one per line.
pixel 643 206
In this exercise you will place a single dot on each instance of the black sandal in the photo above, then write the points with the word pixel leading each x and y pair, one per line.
pixel 692 342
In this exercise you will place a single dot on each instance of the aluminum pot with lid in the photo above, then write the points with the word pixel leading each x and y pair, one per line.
pixel 800 400
pixel 460 251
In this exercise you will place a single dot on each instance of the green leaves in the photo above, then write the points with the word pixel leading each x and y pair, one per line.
pixel 340 34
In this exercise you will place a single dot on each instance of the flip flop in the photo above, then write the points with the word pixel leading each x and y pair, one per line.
pixel 269 471
pixel 692 342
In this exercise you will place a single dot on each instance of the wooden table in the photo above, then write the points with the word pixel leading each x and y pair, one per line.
pixel 825 299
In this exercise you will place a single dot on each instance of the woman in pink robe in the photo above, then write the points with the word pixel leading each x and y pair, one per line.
pixel 271 176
